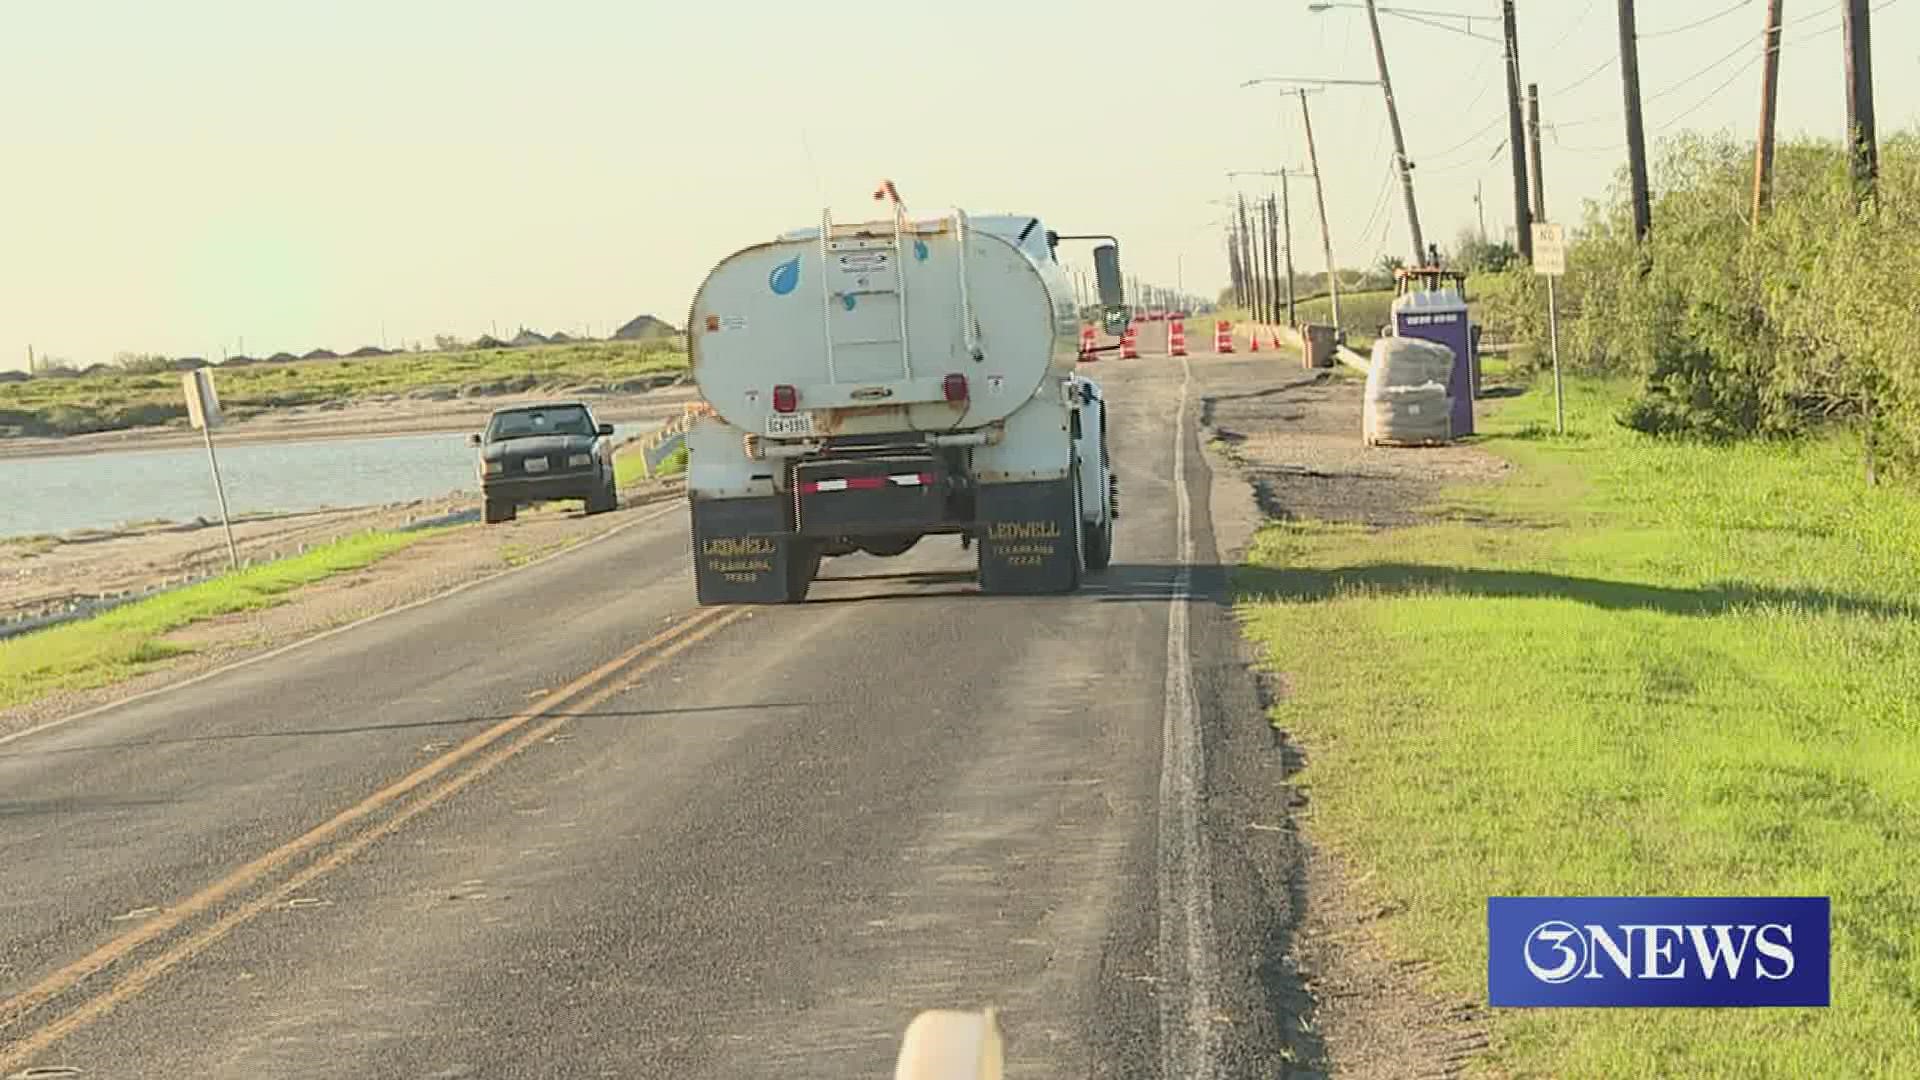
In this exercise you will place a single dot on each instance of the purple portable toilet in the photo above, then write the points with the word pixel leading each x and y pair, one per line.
pixel 1432 306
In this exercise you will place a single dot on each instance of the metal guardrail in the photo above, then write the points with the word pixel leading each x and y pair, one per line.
pixel 671 436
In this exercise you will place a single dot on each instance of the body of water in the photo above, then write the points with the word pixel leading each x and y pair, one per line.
pixel 101 491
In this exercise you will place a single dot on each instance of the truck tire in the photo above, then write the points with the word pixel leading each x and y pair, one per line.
pixel 495 511
pixel 1099 541
pixel 803 567
pixel 886 547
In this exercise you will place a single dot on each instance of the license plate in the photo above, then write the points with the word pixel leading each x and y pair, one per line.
pixel 538 464
pixel 790 424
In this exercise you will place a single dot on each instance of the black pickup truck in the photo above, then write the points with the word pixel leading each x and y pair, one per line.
pixel 547 452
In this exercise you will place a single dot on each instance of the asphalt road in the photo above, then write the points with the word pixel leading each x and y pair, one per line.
pixel 565 823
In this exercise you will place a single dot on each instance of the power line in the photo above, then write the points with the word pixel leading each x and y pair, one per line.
pixel 1714 93
pixel 1716 17
pixel 1574 26
pixel 1588 77
pixel 1466 142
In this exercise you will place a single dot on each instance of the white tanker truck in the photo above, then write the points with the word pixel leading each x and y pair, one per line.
pixel 872 384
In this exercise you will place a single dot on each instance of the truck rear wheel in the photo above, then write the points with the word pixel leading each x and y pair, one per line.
pixel 803 566
pixel 495 511
pixel 1099 542
pixel 886 547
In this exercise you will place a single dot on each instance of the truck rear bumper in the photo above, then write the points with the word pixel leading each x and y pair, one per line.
pixel 531 489
pixel 892 494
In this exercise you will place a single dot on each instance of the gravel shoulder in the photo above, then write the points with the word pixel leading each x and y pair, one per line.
pixel 1289 439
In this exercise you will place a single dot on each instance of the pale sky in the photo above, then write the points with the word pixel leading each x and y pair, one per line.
pixel 184 175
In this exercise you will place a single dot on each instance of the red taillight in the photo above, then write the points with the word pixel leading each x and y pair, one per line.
pixel 955 387
pixel 785 399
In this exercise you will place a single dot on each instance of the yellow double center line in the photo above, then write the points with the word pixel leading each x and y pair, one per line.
pixel 585 692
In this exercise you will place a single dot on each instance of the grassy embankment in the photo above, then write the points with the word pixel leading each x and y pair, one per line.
pixel 126 641
pixel 1636 668
pixel 104 402
pixel 631 468
pixel 1362 314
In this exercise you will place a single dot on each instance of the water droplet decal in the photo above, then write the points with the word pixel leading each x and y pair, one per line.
pixel 920 250
pixel 784 277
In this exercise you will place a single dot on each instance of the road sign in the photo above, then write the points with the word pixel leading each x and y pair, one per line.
pixel 1550 250
pixel 203 408
pixel 203 401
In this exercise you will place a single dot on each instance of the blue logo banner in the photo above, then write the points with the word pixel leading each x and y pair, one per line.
pixel 1658 952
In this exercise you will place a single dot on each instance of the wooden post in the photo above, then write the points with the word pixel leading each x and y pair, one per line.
pixel 1769 104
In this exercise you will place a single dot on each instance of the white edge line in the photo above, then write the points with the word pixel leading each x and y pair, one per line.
pixel 1186 1032
pixel 147 695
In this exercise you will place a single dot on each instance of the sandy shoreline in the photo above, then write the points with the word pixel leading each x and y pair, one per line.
pixel 358 420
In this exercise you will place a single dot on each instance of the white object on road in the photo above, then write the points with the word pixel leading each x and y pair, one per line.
pixel 943 1044
pixel 1406 398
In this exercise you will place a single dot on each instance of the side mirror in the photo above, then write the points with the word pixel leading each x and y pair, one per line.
pixel 1106 272
pixel 1112 288
pixel 606 429
pixel 473 439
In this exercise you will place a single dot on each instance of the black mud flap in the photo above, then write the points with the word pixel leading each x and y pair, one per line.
pixel 745 552
pixel 1029 539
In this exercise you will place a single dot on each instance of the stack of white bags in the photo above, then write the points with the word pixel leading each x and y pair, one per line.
pixel 1406 397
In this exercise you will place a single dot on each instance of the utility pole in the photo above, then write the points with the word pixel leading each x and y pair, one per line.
pixel 1286 230
pixel 1533 146
pixel 1769 104
pixel 1480 207
pixel 1233 268
pixel 30 362
pixel 1636 130
pixel 1259 270
pixel 1320 197
pixel 1865 153
pixel 1273 254
pixel 1399 143
pixel 1246 257
pixel 1516 137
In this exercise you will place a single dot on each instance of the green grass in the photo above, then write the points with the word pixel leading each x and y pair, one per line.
pixel 1362 314
pixel 128 640
pixel 55 406
pixel 1636 667
pixel 631 467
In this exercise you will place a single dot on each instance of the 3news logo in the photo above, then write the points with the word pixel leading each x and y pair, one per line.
pixel 1658 952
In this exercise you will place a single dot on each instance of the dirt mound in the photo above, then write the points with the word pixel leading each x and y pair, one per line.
pixel 321 354
pixel 644 328
pixel 282 358
pixel 488 341
pixel 368 350
pixel 526 338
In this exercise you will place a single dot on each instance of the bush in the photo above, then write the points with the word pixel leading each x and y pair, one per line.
pixel 1741 331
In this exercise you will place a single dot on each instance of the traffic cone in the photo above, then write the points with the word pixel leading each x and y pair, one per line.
pixel 1223 337
pixel 1177 338
pixel 1253 338
pixel 1129 344
pixel 1086 345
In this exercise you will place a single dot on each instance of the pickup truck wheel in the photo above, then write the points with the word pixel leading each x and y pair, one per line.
pixel 607 498
pixel 495 511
